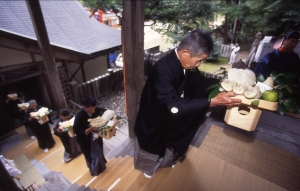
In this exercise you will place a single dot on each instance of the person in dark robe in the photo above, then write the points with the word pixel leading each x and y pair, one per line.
pixel 90 143
pixel 72 149
pixel 283 59
pixel 19 113
pixel 42 131
pixel 174 104
pixel 8 103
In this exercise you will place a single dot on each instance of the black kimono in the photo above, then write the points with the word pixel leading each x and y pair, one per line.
pixel 92 149
pixel 164 117
pixel 41 131
pixel 20 114
pixel 72 148
pixel 281 62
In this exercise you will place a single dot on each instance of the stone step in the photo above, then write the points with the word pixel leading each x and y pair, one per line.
pixel 73 187
pixel 42 188
pixel 126 147
pixel 57 182
pixel 81 188
pixel 87 189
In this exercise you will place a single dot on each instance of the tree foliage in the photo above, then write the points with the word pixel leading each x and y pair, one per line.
pixel 261 15
pixel 178 17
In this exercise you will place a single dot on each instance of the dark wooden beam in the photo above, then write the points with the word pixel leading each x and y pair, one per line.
pixel 54 86
pixel 82 72
pixel 23 77
pixel 19 66
pixel 73 75
pixel 133 56
pixel 32 48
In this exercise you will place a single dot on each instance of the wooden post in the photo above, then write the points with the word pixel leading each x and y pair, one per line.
pixel 53 83
pixel 133 56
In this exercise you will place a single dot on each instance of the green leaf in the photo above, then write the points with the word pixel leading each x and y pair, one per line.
pixel 222 68
pixel 295 108
pixel 289 89
pixel 273 74
pixel 295 100
pixel 255 102
pixel 281 109
pixel 287 105
pixel 260 78
pixel 213 86
pixel 283 81
pixel 286 75
pixel 213 93
pixel 281 86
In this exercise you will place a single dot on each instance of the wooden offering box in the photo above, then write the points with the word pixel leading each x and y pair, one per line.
pixel 263 104
pixel 110 132
pixel 43 119
pixel 246 116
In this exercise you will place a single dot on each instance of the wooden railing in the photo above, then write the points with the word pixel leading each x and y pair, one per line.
pixel 225 51
pixel 113 79
pixel 98 86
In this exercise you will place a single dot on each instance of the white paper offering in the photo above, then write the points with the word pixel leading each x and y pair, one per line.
pixel 110 123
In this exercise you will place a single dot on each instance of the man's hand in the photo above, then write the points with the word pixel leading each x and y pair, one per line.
pixel 90 129
pixel 224 98
pixel 59 129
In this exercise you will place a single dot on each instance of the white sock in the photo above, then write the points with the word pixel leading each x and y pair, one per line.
pixel 147 176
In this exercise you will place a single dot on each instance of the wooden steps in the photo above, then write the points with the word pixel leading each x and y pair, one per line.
pixel 87 176
pixel 125 166
pixel 54 159
pixel 74 169
pixel 105 175
pixel 39 154
pixel 128 178
pixel 118 169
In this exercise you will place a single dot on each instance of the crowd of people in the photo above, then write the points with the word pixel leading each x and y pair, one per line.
pixel 83 141
pixel 34 128
pixel 173 104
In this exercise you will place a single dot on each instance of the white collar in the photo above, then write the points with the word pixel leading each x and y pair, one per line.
pixel 179 59
pixel 176 53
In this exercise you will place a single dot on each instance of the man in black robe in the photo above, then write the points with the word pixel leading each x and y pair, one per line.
pixel 174 103
pixel 91 145
pixel 41 131
pixel 72 149
pixel 19 113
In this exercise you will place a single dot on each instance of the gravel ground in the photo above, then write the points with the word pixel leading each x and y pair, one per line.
pixel 115 101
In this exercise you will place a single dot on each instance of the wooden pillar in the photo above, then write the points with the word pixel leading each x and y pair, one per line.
pixel 133 56
pixel 53 83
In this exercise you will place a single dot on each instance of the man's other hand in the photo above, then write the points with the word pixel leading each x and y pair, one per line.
pixel 225 99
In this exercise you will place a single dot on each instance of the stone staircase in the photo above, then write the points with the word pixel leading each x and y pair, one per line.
pixel 30 175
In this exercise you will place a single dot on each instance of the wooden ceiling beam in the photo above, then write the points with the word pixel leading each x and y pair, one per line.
pixel 23 77
pixel 19 66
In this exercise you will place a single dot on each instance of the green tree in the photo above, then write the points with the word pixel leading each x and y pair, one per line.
pixel 178 17
pixel 261 15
